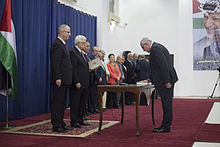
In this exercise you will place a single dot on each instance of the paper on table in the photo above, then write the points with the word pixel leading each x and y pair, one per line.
pixel 95 63
pixel 144 82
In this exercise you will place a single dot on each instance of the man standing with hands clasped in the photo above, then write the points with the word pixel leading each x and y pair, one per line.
pixel 80 83
pixel 163 76
pixel 61 78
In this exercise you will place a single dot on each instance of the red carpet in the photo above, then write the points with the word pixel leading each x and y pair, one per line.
pixel 189 115
pixel 208 133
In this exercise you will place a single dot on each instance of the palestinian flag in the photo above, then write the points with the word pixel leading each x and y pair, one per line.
pixel 8 56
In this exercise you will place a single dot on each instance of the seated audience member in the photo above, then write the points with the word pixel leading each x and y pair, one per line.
pixel 114 78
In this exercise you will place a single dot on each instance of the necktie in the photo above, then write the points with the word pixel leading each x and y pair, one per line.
pixel 84 56
pixel 67 49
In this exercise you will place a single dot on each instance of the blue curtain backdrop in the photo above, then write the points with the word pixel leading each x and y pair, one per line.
pixel 36 24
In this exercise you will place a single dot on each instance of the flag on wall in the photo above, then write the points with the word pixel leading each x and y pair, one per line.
pixel 8 56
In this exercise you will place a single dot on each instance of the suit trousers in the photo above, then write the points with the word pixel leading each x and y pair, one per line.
pixel 167 102
pixel 93 98
pixel 77 104
pixel 58 104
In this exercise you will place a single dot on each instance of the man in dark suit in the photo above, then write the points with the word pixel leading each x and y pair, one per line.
pixel 95 78
pixel 80 84
pixel 143 69
pixel 164 77
pixel 131 75
pixel 61 77
pixel 130 79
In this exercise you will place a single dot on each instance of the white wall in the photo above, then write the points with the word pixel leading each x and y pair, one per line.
pixel 166 21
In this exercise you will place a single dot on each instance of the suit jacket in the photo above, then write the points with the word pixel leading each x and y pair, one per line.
pixel 60 64
pixel 121 70
pixel 113 75
pixel 80 68
pixel 162 70
pixel 130 79
pixel 102 73
pixel 143 70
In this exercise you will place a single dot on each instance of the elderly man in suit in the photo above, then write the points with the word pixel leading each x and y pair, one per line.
pixel 61 77
pixel 94 80
pixel 80 83
pixel 164 77
pixel 130 79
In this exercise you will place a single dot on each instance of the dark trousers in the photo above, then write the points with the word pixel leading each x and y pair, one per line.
pixel 167 104
pixel 111 100
pixel 93 98
pixel 77 104
pixel 129 98
pixel 58 104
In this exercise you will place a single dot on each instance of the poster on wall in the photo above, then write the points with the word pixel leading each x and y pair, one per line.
pixel 206 34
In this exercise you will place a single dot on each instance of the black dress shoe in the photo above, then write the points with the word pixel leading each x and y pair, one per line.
pixel 161 130
pixel 60 130
pixel 76 125
pixel 67 128
pixel 157 127
pixel 84 124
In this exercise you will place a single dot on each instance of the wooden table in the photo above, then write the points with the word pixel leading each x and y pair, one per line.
pixel 137 89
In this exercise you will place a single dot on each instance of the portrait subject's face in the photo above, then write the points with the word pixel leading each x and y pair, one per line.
pixel 211 22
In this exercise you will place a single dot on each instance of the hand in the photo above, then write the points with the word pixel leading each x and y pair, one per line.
pixel 168 85
pixel 100 80
pixel 78 85
pixel 90 70
pixel 58 82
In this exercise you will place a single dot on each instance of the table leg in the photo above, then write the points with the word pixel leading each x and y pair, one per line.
pixel 122 107
pixel 137 112
pixel 100 111
pixel 153 107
